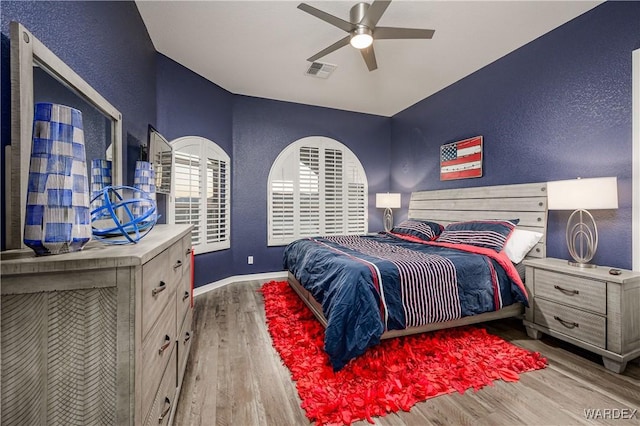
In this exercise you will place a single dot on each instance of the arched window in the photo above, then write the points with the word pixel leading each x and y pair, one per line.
pixel 316 186
pixel 201 192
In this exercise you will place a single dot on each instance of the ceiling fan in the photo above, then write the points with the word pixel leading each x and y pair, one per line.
pixel 362 29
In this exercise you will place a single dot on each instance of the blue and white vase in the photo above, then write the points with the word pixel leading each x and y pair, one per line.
pixel 57 212
pixel 100 178
pixel 144 179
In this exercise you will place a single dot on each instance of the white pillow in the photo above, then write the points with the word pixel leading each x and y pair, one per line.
pixel 519 244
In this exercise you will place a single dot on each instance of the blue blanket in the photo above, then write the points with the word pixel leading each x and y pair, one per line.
pixel 367 285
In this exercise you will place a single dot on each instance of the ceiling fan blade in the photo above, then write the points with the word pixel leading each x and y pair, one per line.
pixel 335 46
pixel 374 13
pixel 381 33
pixel 369 57
pixel 333 20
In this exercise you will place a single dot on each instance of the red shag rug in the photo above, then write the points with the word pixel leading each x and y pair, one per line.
pixel 391 376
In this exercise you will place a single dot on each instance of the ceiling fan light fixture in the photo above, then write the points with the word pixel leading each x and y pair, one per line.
pixel 361 26
pixel 361 38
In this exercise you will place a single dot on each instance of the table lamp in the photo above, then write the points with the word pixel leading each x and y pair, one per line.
pixel 582 195
pixel 388 201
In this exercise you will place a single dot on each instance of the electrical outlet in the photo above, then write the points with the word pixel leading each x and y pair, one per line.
pixel 250 260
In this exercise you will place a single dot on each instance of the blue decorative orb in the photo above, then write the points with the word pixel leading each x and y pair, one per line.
pixel 129 219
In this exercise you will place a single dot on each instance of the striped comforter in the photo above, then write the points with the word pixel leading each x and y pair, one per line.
pixel 371 284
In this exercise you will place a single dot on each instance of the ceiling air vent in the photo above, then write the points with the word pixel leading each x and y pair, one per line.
pixel 320 70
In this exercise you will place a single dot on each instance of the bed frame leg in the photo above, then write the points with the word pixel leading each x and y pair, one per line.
pixel 533 333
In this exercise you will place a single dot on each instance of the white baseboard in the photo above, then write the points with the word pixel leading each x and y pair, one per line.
pixel 239 278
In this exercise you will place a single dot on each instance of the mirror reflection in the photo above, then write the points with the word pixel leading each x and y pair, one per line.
pixel 160 155
pixel 97 127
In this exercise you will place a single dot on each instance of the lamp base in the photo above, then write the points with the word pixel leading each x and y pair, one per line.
pixel 388 219
pixel 582 265
pixel 582 238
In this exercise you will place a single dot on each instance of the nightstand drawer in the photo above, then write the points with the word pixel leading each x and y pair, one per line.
pixel 570 290
pixel 585 326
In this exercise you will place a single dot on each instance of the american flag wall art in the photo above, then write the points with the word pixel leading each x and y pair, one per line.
pixel 462 159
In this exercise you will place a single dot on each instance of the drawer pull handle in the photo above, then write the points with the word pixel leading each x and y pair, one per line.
pixel 167 340
pixel 187 251
pixel 564 290
pixel 186 296
pixel 167 402
pixel 161 287
pixel 187 337
pixel 566 323
pixel 178 264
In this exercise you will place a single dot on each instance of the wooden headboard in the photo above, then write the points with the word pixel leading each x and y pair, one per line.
pixel 527 202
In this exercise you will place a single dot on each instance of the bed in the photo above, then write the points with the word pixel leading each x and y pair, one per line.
pixel 362 296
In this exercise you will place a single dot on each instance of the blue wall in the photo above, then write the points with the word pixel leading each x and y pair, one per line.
pixel 107 44
pixel 189 105
pixel 261 130
pixel 253 131
pixel 557 108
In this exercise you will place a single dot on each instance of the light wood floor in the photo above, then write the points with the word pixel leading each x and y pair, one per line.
pixel 235 377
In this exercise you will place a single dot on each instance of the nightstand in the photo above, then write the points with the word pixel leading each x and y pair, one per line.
pixel 587 307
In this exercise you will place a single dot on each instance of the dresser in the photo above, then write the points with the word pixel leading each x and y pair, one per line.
pixel 100 336
pixel 587 307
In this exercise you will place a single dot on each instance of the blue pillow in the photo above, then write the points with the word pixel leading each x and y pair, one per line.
pixel 492 234
pixel 421 229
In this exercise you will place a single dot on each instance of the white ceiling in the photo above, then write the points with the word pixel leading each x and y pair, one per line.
pixel 259 48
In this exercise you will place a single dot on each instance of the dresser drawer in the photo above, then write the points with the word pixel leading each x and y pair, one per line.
pixel 156 351
pixel 186 253
pixel 585 326
pixel 183 299
pixel 177 262
pixel 185 337
pixel 570 290
pixel 165 399
pixel 158 288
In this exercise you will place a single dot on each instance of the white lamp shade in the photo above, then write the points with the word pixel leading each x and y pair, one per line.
pixel 585 194
pixel 388 200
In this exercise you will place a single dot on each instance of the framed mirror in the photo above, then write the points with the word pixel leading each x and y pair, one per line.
pixel 38 75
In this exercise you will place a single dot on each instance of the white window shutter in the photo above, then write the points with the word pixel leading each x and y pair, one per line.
pixel 334 207
pixel 317 186
pixel 188 192
pixel 309 191
pixel 202 192
pixel 217 202
pixel 356 199
pixel 281 200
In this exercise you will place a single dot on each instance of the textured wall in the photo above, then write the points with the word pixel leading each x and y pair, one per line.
pixel 253 131
pixel 189 105
pixel 261 130
pixel 557 108
pixel 107 44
